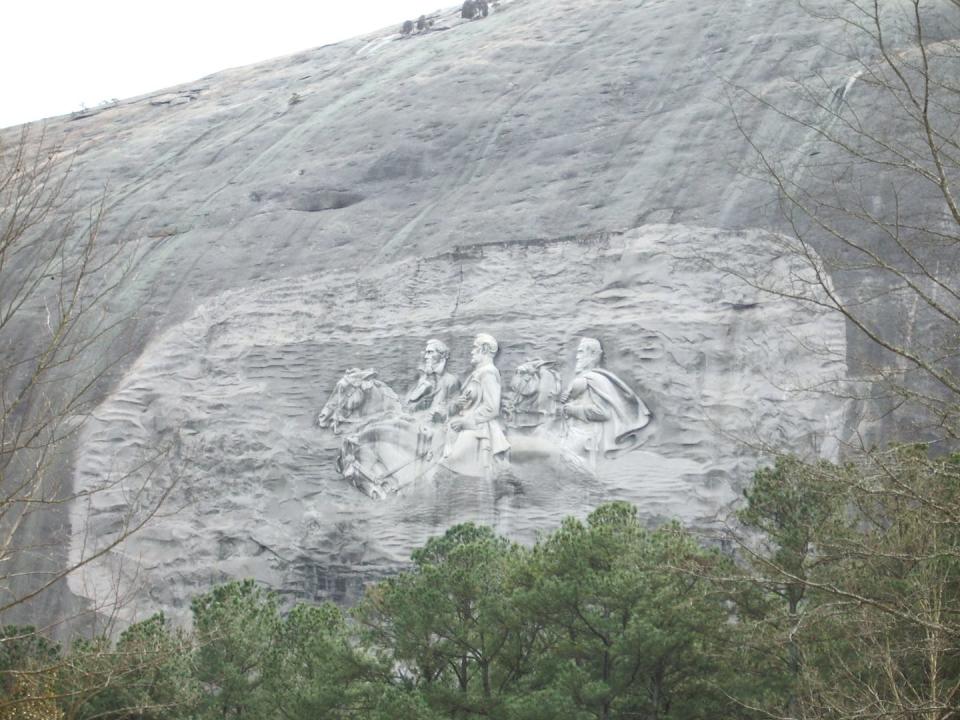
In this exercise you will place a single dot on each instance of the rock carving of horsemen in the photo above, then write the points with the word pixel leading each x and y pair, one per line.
pixel 383 448
pixel 388 444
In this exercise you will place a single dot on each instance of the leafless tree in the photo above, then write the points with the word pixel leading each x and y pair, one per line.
pixel 58 346
pixel 861 563
pixel 869 199
pixel 870 205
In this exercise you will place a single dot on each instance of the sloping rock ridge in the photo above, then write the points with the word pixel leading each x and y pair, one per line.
pixel 224 404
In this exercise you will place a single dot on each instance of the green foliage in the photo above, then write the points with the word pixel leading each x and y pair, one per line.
pixel 844 603
pixel 633 626
pixel 235 628
pixel 27 675
pixel 313 670
pixel 146 675
pixel 22 646
pixel 866 557
pixel 889 582
pixel 789 503
pixel 603 619
pixel 30 696
pixel 446 625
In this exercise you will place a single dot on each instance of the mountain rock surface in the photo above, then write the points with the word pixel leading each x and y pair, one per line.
pixel 233 391
pixel 558 170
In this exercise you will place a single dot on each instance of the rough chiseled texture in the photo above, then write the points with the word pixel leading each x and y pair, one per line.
pixel 234 389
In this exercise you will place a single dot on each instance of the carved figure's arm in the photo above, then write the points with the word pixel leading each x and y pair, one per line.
pixel 591 413
pixel 576 389
pixel 463 399
pixel 418 391
pixel 450 388
pixel 489 406
pixel 589 410
pixel 445 401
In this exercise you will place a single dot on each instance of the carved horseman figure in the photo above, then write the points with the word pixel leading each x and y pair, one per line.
pixel 436 390
pixel 389 443
pixel 603 415
pixel 476 443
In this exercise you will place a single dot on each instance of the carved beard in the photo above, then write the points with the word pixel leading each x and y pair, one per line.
pixel 588 363
pixel 434 367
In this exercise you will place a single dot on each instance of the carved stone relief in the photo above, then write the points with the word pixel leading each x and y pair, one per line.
pixel 387 445
pixel 689 371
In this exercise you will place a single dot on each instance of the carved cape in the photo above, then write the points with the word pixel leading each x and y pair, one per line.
pixel 616 409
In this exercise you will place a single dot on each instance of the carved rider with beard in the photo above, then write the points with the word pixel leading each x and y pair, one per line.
pixel 603 414
pixel 435 389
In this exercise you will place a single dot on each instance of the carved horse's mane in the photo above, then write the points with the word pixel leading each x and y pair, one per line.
pixel 378 399
pixel 378 396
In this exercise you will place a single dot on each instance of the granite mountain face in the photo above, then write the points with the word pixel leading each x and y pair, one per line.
pixel 301 228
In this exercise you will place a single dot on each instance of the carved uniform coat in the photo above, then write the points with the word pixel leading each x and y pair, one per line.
pixel 434 392
pixel 605 413
pixel 474 451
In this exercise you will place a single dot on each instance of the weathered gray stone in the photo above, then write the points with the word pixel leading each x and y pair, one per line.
pixel 235 389
pixel 451 183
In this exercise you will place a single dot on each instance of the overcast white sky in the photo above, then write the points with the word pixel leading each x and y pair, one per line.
pixel 59 55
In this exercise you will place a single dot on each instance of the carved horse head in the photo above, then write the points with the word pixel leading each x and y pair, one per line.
pixel 536 386
pixel 356 396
